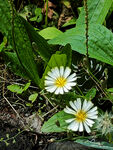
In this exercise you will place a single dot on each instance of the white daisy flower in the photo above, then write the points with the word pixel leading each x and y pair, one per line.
pixel 59 80
pixel 84 115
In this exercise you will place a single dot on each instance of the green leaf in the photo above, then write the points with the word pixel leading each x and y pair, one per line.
pixel 50 32
pixel 38 11
pixel 29 104
pixel 41 46
pixel 56 60
pixel 33 18
pixel 5 17
pixel 13 63
pixel 38 15
pixel 56 123
pixel 24 51
pixel 110 90
pixel 90 94
pixel 26 86
pixel 70 22
pixel 2 45
pixel 97 11
pixel 98 145
pixel 15 88
pixel 33 97
pixel 100 42
pixel 68 51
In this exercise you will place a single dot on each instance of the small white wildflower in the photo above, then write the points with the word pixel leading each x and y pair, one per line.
pixel 104 123
pixel 84 115
pixel 59 80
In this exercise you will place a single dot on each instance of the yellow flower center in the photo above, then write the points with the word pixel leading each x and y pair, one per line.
pixel 81 116
pixel 60 82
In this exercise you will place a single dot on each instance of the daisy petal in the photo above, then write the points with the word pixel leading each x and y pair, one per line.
pixel 49 78
pixel 61 90
pixel 92 113
pixel 68 87
pixel 56 71
pixel 69 110
pixel 51 89
pixel 72 77
pixel 89 105
pixel 65 90
pixel 89 122
pixel 71 83
pixel 87 128
pixel 73 126
pixel 69 120
pixel 57 91
pixel 67 72
pixel 52 75
pixel 93 117
pixel 92 110
pixel 71 80
pixel 61 71
pixel 80 127
pixel 84 104
pixel 73 106
pixel 47 82
pixel 78 103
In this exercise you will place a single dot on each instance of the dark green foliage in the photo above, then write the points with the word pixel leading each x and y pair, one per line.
pixel 98 145
pixel 5 17
pixel 23 48
pixel 97 10
pixel 56 123
pixel 100 42
pixel 43 49
pixel 13 63
pixel 68 51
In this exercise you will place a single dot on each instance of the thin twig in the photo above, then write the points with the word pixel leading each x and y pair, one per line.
pixel 11 106
pixel 50 111
pixel 47 98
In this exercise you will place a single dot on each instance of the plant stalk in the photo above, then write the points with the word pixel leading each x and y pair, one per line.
pixel 46 17
pixel 86 27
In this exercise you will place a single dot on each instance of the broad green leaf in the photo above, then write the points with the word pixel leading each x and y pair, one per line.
pixel 5 17
pixel 110 90
pixel 40 45
pixel 97 11
pixel 13 63
pixel 68 51
pixel 100 42
pixel 24 51
pixel 98 145
pixel 90 94
pixel 56 123
pixel 15 88
pixel 33 97
pixel 56 60
pixel 50 32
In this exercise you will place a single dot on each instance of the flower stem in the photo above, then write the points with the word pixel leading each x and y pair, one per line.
pixel 46 17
